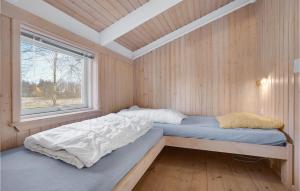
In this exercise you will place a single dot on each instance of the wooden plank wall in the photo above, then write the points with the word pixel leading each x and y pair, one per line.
pixel 116 78
pixel 297 100
pixel 210 71
pixel 297 132
pixel 116 85
pixel 214 69
pixel 1 95
pixel 276 47
pixel 277 42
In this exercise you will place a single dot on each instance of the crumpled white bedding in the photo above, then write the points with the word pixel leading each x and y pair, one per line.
pixel 154 115
pixel 83 143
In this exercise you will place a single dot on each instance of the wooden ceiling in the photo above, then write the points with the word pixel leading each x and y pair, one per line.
pixel 99 14
pixel 170 20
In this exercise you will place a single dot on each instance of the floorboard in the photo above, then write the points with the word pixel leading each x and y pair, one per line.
pixel 191 170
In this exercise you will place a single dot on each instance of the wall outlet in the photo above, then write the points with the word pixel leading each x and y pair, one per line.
pixel 297 66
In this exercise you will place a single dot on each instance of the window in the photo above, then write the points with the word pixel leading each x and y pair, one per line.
pixel 55 77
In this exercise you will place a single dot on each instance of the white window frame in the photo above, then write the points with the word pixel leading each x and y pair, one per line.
pixel 91 82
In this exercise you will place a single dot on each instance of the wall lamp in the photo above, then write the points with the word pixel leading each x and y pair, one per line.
pixel 262 82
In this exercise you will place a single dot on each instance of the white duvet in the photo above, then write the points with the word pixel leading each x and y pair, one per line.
pixel 82 144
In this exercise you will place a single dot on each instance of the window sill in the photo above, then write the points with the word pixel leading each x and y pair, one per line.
pixel 56 119
pixel 51 114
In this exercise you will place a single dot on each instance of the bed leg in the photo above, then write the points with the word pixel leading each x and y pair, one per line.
pixel 287 168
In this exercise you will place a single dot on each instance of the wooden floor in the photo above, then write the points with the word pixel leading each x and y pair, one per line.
pixel 183 169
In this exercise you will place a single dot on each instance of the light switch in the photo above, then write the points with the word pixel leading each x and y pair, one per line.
pixel 297 66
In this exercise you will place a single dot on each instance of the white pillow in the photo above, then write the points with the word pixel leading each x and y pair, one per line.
pixel 156 115
pixel 178 113
pixel 134 107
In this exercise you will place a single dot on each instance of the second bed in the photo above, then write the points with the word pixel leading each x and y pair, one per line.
pixel 201 127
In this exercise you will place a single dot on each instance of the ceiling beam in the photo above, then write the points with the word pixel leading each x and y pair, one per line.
pixel 54 15
pixel 220 12
pixel 48 12
pixel 135 18
pixel 44 10
pixel 116 47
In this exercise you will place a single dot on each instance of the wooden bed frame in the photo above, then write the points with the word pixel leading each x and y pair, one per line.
pixel 285 154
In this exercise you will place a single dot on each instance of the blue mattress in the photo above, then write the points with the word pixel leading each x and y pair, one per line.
pixel 28 171
pixel 208 128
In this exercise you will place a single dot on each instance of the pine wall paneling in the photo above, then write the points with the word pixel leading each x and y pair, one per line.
pixel 276 42
pixel 116 80
pixel 210 71
pixel 297 99
pixel 115 74
pixel 297 132
pixel 213 70
pixel 1 91
pixel 277 26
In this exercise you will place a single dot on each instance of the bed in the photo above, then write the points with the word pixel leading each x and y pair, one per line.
pixel 122 169
pixel 26 170
pixel 204 133
pixel 201 127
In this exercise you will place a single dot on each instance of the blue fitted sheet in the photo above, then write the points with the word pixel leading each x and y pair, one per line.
pixel 23 170
pixel 201 127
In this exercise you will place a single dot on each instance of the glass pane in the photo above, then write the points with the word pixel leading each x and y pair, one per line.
pixel 70 80
pixel 52 78
pixel 37 76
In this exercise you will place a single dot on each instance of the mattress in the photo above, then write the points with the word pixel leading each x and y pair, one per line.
pixel 25 170
pixel 201 127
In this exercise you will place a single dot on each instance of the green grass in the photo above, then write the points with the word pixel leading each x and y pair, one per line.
pixel 41 102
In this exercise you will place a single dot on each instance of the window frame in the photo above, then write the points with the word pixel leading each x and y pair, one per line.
pixel 92 103
pixel 27 113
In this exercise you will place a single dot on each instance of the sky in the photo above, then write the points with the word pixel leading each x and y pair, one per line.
pixel 37 63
